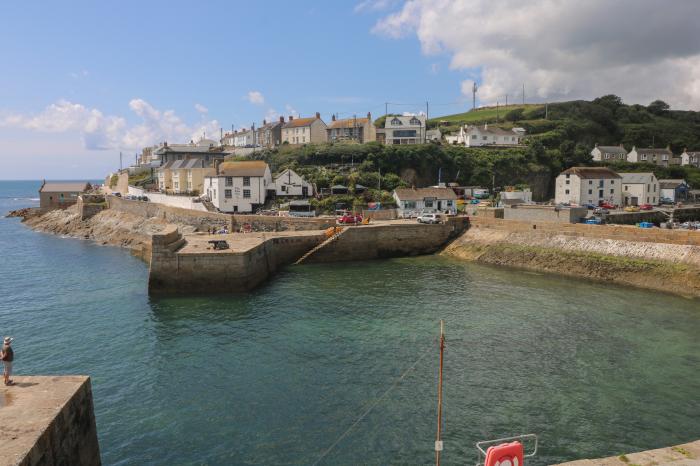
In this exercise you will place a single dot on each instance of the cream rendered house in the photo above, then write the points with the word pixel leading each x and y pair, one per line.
pixel 304 130
pixel 603 153
pixel 640 188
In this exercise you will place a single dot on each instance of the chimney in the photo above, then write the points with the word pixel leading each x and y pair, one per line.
pixel 291 118
pixel 216 165
pixel 369 116
pixel 264 122
pixel 318 116
pixel 281 119
pixel 333 117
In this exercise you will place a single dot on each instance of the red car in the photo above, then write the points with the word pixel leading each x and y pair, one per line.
pixel 646 207
pixel 350 219
pixel 607 205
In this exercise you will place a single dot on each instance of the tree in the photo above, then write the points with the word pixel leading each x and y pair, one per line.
pixel 658 107
pixel 515 115
pixel 610 101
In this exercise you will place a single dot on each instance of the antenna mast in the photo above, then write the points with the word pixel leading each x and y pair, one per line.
pixel 438 442
pixel 474 89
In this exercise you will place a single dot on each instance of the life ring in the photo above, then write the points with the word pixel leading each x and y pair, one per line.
pixel 505 454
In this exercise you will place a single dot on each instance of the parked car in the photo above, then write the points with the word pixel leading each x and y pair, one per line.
pixel 631 208
pixel 646 207
pixel 590 206
pixel 666 201
pixel 600 211
pixel 350 219
pixel 429 218
pixel 607 205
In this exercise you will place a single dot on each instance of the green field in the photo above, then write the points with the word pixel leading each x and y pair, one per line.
pixel 484 114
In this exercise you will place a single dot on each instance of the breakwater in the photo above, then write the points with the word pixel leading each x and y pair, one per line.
pixel 664 260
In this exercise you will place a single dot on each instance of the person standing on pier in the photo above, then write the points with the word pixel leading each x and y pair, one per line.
pixel 7 356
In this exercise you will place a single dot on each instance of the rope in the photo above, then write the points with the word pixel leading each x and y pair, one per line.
pixel 371 407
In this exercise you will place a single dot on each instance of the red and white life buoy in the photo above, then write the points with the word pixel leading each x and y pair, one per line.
pixel 505 454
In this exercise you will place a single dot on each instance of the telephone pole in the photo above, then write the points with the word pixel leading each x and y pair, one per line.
pixel 474 89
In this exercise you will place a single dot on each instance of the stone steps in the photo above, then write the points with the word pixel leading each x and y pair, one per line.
pixel 320 246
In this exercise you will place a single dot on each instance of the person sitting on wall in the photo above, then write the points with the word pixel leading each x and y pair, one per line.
pixel 7 356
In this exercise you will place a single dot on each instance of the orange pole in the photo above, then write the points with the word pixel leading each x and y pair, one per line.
pixel 439 419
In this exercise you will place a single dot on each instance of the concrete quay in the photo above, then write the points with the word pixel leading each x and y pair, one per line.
pixel 686 454
pixel 48 421
pixel 190 265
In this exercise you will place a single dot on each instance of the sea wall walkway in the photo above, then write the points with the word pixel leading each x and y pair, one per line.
pixel 686 454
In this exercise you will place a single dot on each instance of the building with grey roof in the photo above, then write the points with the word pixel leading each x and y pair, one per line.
pixel 660 157
pixel 59 195
pixel 640 188
pixel 604 153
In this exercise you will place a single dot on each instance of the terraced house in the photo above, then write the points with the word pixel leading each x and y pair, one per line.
pixel 304 130
pixel 603 153
pixel 661 157
pixel 690 158
pixel 352 129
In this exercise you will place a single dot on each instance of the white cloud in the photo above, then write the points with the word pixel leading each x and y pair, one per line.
pixel 271 115
pixel 374 5
pixel 201 108
pixel 255 97
pixel 562 49
pixel 290 111
pixel 101 132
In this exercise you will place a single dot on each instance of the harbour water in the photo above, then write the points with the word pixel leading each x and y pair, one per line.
pixel 276 376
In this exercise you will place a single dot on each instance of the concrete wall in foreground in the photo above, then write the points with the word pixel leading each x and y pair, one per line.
pixel 384 241
pixel 227 272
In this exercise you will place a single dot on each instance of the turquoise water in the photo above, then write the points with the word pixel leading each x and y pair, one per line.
pixel 277 375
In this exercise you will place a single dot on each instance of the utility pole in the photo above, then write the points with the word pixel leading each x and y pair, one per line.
pixel 474 89
pixel 497 116
pixel 386 109
pixel 425 136
pixel 506 100
pixel 120 160
pixel 523 93
pixel 546 110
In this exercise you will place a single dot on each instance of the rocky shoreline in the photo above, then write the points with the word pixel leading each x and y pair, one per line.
pixel 671 268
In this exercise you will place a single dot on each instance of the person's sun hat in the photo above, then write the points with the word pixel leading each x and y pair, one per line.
pixel 8 340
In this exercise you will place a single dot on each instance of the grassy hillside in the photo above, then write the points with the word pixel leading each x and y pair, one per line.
pixel 483 115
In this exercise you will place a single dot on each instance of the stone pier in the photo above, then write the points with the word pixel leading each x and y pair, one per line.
pixel 680 455
pixel 48 421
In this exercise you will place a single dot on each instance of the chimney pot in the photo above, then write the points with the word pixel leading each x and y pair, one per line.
pixel 333 117
pixel 291 117
pixel 281 119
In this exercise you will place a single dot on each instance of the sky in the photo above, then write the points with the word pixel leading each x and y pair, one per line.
pixel 82 81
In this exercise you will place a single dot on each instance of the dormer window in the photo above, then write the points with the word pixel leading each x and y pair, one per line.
pixel 396 122
pixel 415 121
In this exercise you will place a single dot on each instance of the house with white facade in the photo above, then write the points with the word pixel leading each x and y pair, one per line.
pixel 588 185
pixel 477 136
pixel 239 186
pixel 605 153
pixel 290 183
pixel 690 158
pixel 411 202
pixel 640 188
pixel 661 157
pixel 404 129
pixel 304 130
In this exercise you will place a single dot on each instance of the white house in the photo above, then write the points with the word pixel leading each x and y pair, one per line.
pixel 411 201
pixel 690 158
pixel 588 185
pixel 290 183
pixel 603 153
pixel 477 136
pixel 661 157
pixel 239 186
pixel 404 129
pixel 640 188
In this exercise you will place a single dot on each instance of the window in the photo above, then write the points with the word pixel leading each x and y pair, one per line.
pixel 228 194
pixel 405 133
pixel 396 122
pixel 612 191
pixel 409 204
pixel 484 137
pixel 229 181
pixel 566 192
pixel 644 156
pixel 415 121
pixel 246 181
pixel 590 192
pixel 428 202
pixel 590 182
pixel 568 176
pixel 568 181
pixel 473 136
pixel 612 181
pixel 246 194
pixel 284 188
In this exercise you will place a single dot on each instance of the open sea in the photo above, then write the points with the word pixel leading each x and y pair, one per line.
pixel 279 375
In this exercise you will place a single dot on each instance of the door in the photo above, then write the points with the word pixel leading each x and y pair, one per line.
pixel 634 200
pixel 439 205
pixel 305 191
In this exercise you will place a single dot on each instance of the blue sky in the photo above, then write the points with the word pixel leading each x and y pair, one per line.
pixel 80 80
pixel 300 56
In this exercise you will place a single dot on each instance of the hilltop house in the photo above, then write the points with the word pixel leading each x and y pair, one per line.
pixel 352 129
pixel 411 201
pixel 661 157
pixel 289 183
pixel 269 135
pixel 54 195
pixel 304 130
pixel 239 186
pixel 588 185
pixel 602 153
pixel 640 188
pixel 477 136
pixel 690 158
pixel 404 129
pixel 673 190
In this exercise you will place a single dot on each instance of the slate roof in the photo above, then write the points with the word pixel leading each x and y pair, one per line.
pixel 654 151
pixel 71 187
pixel 245 168
pixel 637 178
pixel 592 173
pixel 612 150
pixel 670 184
pixel 418 194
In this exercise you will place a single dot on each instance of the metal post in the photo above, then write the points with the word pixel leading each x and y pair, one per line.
pixel 438 442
